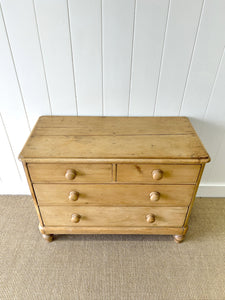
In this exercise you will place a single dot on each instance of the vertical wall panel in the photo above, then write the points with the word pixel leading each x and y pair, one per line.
pixel 151 17
pixel 207 54
pixel 52 19
pixel 11 102
pixel 118 18
pixel 10 177
pixel 180 37
pixel 216 172
pixel 85 19
pixel 213 128
pixel 22 31
pixel 8 169
pixel 111 57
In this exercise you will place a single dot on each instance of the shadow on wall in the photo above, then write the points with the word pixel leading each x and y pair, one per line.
pixel 212 135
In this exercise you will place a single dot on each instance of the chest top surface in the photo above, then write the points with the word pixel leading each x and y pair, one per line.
pixel 62 137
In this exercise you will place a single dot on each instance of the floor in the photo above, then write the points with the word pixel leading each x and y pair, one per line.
pixel 108 267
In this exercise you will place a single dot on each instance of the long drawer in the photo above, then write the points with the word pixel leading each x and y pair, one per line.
pixel 113 216
pixel 114 194
pixel 158 174
pixel 67 173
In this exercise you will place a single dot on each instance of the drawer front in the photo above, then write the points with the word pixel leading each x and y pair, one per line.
pixel 158 174
pixel 113 216
pixel 68 173
pixel 114 194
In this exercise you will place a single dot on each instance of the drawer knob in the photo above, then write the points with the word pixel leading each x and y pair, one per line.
pixel 75 218
pixel 157 174
pixel 150 218
pixel 73 196
pixel 154 196
pixel 70 174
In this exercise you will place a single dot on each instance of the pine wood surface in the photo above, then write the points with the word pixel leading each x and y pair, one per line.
pixel 115 125
pixel 114 137
pixel 113 216
pixel 172 174
pixel 114 230
pixel 113 174
pixel 113 194
pixel 84 172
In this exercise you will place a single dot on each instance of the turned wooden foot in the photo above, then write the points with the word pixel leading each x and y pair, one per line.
pixel 178 238
pixel 47 237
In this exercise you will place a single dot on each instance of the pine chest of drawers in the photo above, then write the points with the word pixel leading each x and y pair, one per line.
pixel 113 175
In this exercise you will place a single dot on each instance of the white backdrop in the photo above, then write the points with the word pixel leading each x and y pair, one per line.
pixel 112 57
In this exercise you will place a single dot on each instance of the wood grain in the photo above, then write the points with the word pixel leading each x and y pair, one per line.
pixel 113 230
pixel 141 146
pixel 172 174
pixel 35 201
pixel 84 172
pixel 113 216
pixel 92 175
pixel 58 125
pixel 113 194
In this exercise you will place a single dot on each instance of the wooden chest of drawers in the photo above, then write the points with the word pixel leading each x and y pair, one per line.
pixel 115 175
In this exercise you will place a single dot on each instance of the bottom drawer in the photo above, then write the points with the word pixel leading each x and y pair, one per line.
pixel 113 216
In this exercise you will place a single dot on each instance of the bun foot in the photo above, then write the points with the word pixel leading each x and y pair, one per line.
pixel 178 238
pixel 47 237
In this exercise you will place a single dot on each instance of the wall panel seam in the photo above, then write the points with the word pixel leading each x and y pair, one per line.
pixel 162 56
pixel 214 84
pixel 72 58
pixel 132 54
pixel 192 55
pixel 42 56
pixel 10 145
pixel 15 70
pixel 102 78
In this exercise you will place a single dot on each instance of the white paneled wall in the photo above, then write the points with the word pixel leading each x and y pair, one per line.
pixel 112 57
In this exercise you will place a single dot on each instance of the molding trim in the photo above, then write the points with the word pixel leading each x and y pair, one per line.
pixel 211 190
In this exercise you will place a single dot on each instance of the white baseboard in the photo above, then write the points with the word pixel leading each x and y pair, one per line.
pixel 211 190
pixel 17 188
pixel 21 188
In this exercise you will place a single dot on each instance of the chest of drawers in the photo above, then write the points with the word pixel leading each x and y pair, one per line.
pixel 113 175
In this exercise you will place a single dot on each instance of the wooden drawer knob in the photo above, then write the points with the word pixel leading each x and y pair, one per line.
pixel 157 174
pixel 154 196
pixel 75 218
pixel 73 196
pixel 70 174
pixel 150 218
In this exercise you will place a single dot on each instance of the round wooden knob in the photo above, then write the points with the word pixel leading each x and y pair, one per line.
pixel 157 174
pixel 150 218
pixel 73 196
pixel 70 174
pixel 75 218
pixel 154 196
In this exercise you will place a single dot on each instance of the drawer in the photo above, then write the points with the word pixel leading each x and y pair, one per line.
pixel 114 194
pixel 68 173
pixel 158 174
pixel 83 216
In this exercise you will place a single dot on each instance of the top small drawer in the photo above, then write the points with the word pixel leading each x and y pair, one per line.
pixel 70 173
pixel 162 174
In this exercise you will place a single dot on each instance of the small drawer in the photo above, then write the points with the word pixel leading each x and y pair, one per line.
pixel 158 174
pixel 113 194
pixel 68 173
pixel 113 216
